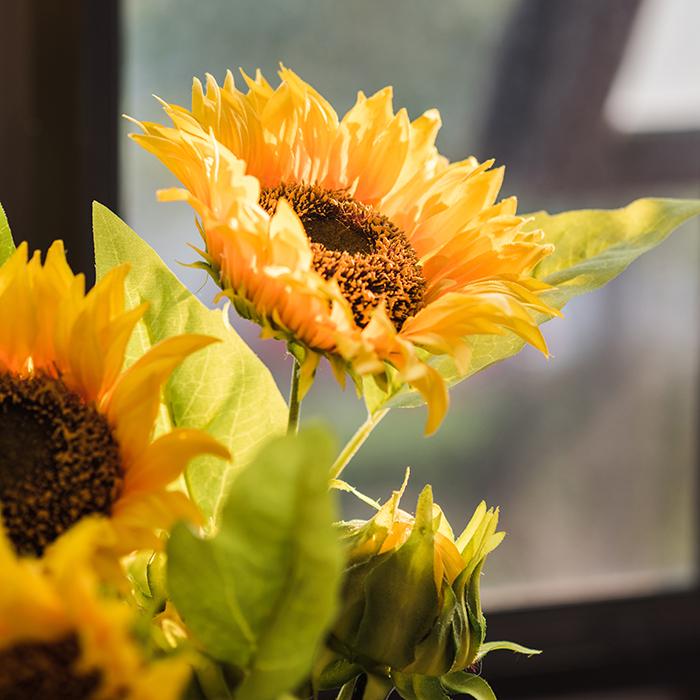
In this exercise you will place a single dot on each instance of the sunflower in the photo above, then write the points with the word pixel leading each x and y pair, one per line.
pixel 351 238
pixel 411 597
pixel 75 430
pixel 60 638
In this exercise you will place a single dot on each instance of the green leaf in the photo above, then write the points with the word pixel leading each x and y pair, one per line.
pixel 7 245
pixel 463 682
pixel 224 389
pixel 593 246
pixel 261 594
pixel 488 647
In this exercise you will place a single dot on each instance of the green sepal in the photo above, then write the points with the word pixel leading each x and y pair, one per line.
pixel 418 687
pixel 204 266
pixel 437 653
pixel 332 670
pixel 336 674
pixel 156 575
pixel 136 571
pixel 7 245
pixel 488 647
pixel 308 364
pixel 477 621
pixel 468 683
pixel 401 601
pixel 146 571
pixel 343 638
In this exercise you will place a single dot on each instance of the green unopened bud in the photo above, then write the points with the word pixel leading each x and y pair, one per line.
pixel 411 602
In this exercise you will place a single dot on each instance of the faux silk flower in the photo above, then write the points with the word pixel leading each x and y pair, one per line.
pixel 61 638
pixel 75 428
pixel 351 238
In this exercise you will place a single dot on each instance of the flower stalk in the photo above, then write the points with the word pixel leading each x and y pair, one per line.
pixel 294 400
pixel 356 441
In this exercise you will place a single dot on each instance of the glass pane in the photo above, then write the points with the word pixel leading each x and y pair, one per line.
pixel 591 455
pixel 656 87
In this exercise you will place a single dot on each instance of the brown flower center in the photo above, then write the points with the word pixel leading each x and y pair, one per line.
pixel 45 670
pixel 59 461
pixel 370 258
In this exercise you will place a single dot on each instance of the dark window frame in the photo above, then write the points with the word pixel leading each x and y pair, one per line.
pixel 58 125
pixel 59 150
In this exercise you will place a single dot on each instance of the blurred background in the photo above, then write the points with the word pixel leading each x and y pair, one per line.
pixel 592 455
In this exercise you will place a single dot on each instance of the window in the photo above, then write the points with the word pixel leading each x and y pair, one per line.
pixel 592 456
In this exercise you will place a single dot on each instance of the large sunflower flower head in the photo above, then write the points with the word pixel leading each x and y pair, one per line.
pixel 75 429
pixel 351 238
pixel 60 637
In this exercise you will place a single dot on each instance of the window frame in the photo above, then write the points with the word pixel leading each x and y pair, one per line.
pixel 59 140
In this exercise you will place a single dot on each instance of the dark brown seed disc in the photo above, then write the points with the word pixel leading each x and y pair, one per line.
pixel 45 670
pixel 369 256
pixel 59 461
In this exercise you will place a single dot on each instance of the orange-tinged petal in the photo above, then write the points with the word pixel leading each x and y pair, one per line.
pixel 476 259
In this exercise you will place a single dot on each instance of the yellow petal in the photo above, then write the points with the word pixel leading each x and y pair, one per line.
pixel 133 405
pixel 166 458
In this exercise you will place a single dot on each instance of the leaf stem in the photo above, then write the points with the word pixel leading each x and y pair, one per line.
pixel 294 401
pixel 356 441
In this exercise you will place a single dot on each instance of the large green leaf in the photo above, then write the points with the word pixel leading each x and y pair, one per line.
pixel 593 246
pixel 261 594
pixel 7 246
pixel 224 389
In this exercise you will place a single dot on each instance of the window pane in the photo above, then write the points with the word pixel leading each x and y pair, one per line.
pixel 592 454
pixel 657 88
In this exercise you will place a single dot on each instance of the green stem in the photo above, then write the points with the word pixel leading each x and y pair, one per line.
pixel 212 683
pixel 356 441
pixel 294 401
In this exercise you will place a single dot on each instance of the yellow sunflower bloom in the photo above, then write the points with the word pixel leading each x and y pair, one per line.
pixel 75 430
pixel 60 639
pixel 351 238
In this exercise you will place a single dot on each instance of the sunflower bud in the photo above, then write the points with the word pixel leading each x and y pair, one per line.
pixel 411 604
